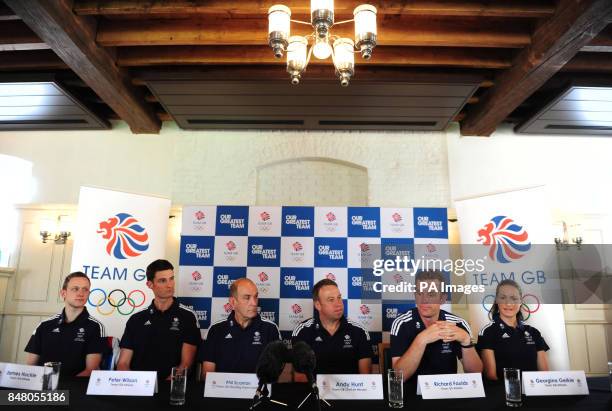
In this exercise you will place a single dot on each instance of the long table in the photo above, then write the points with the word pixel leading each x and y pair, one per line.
pixel 600 398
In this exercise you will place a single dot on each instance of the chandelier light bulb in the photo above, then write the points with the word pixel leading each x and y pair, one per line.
pixel 322 50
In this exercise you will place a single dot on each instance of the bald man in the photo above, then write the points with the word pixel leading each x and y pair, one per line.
pixel 234 344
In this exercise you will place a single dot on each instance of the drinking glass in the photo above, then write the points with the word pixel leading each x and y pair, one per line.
pixel 395 387
pixel 178 385
pixel 512 381
pixel 51 375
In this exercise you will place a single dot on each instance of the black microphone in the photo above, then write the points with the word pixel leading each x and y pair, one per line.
pixel 269 367
pixel 271 362
pixel 304 359
pixel 305 362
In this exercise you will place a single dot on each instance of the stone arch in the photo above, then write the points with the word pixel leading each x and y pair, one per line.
pixel 312 181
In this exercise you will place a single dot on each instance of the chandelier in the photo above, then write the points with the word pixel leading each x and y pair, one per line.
pixel 322 43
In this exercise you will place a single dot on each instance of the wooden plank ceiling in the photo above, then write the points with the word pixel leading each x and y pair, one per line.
pixel 579 109
pixel 42 104
pixel 106 51
pixel 316 105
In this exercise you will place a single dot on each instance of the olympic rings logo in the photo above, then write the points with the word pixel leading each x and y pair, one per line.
pixel 529 300
pixel 116 299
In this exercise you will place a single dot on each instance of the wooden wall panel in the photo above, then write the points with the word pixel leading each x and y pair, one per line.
pixel 32 276
pixel 577 345
pixel 9 337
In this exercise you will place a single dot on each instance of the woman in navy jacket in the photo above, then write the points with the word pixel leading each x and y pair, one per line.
pixel 507 342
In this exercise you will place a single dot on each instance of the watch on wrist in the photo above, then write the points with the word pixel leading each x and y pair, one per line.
pixel 470 345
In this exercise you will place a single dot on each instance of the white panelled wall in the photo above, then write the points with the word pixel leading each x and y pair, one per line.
pixel 285 167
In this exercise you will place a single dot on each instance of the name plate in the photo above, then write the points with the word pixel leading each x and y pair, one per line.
pixel 123 383
pixel 350 386
pixel 555 383
pixel 23 377
pixel 441 386
pixel 231 385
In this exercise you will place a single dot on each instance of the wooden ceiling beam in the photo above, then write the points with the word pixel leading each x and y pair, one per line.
pixel 555 42
pixel 383 56
pixel 16 35
pixel 393 31
pixel 491 8
pixel 72 38
pixel 161 115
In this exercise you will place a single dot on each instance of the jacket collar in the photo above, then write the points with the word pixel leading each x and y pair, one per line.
pixel 153 309
pixel 520 324
pixel 231 319
pixel 79 319
pixel 319 326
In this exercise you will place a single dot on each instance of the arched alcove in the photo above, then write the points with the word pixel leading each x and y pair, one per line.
pixel 312 181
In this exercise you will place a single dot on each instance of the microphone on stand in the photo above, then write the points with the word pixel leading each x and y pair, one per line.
pixel 269 367
pixel 305 362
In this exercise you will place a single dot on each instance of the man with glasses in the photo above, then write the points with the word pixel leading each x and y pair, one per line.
pixel 428 340
pixel 72 337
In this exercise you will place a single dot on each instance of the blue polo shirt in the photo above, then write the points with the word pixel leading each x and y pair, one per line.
pixel 339 353
pixel 236 349
pixel 157 337
pixel 514 347
pixel 439 357
pixel 55 340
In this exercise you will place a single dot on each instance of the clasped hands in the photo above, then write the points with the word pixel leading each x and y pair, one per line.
pixel 445 331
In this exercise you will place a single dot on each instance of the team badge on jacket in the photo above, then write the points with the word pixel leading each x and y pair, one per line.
pixel 175 324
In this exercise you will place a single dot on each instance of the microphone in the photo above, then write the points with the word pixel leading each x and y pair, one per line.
pixel 304 359
pixel 269 367
pixel 305 362
pixel 271 362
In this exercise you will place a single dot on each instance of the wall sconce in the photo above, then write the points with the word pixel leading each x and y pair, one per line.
pixel 562 241
pixel 58 230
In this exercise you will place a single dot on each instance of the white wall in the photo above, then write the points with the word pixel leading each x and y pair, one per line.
pixel 576 170
pixel 215 167
pixel 64 160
